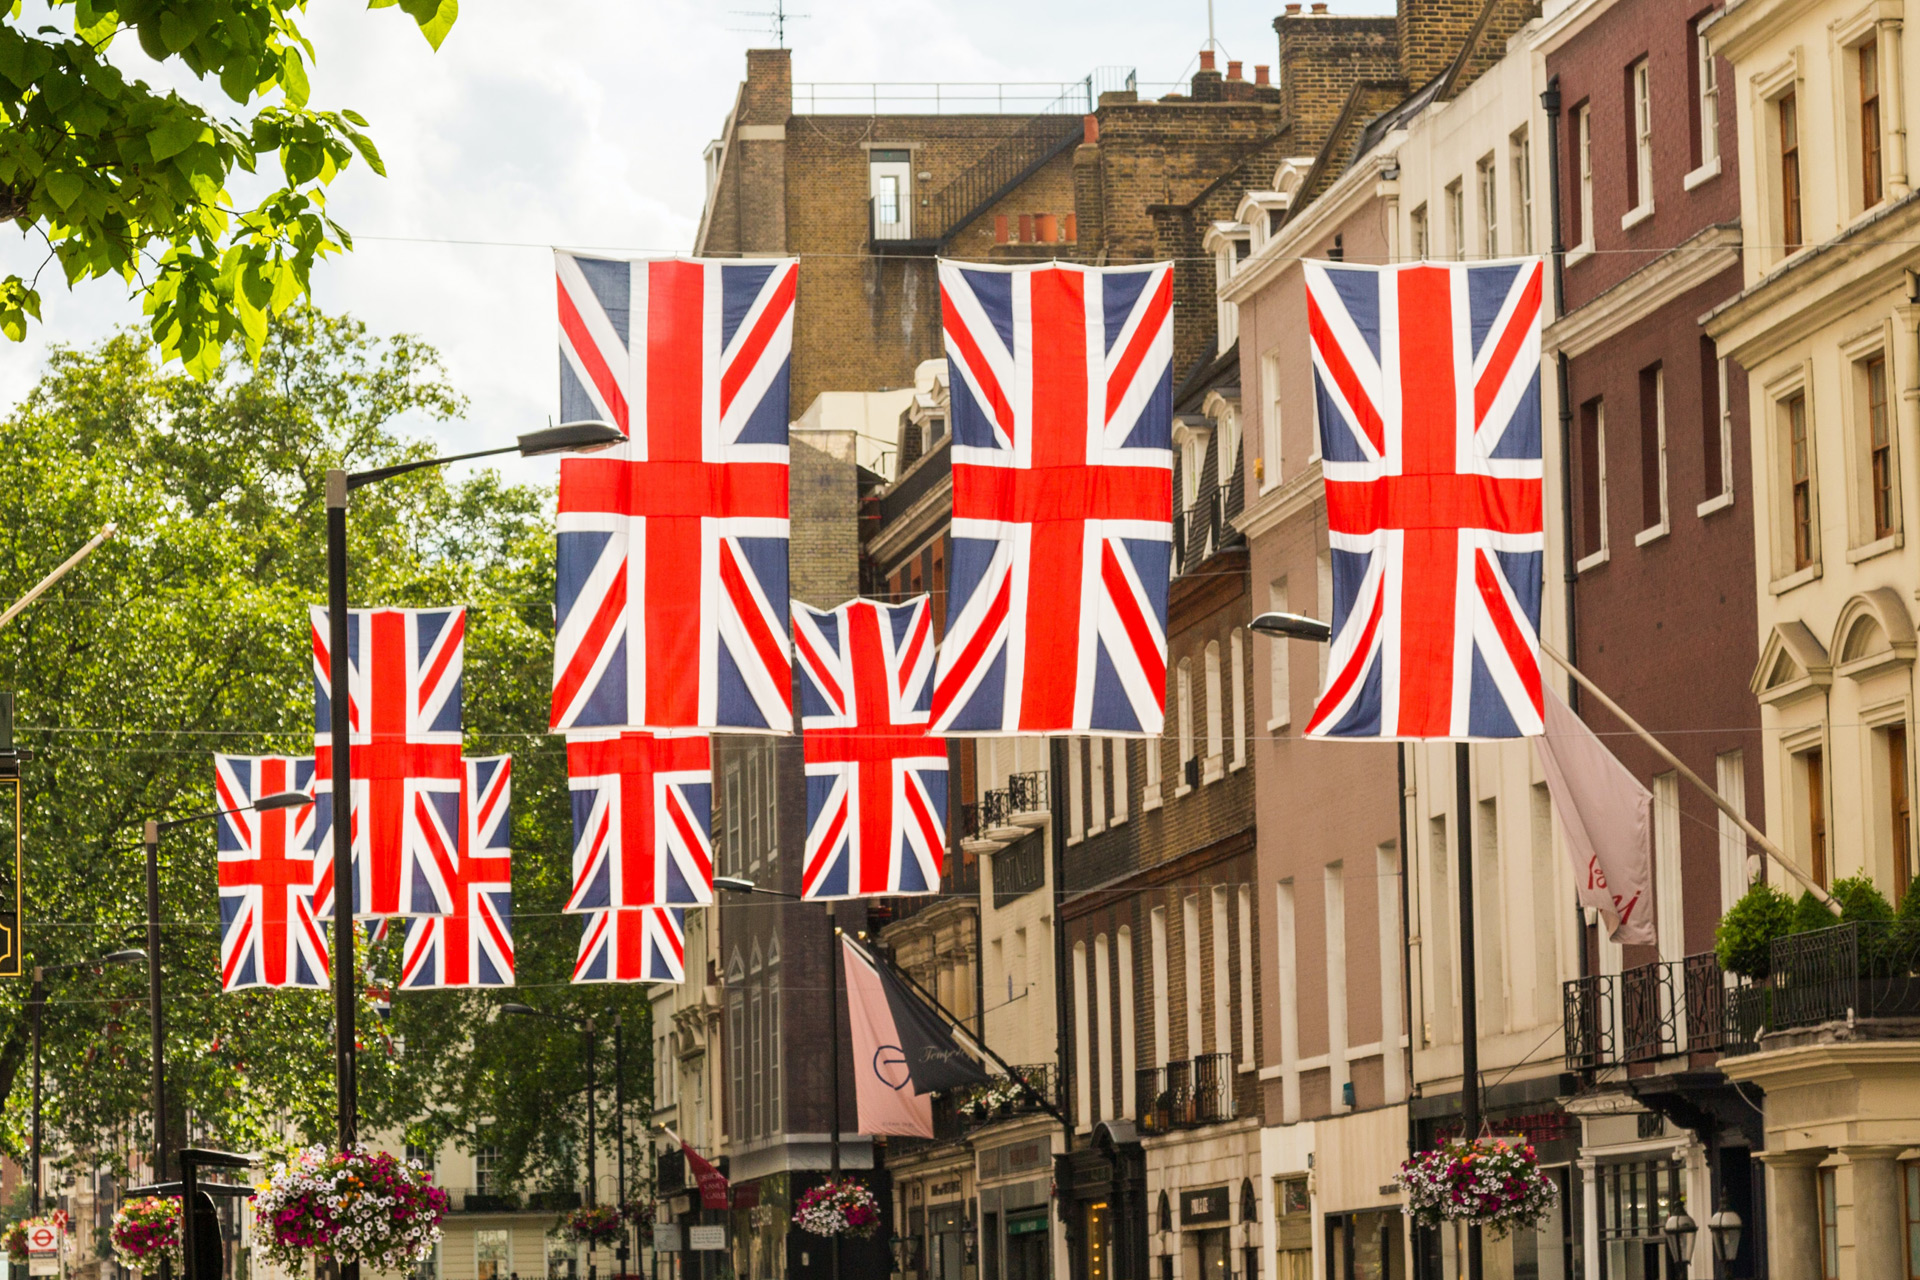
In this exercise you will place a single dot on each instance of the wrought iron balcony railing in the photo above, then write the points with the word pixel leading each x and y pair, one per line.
pixel 1587 1008
pixel 1647 1011
pixel 1212 1088
pixel 1029 797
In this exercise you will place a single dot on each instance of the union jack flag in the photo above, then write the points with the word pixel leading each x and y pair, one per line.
pixel 876 779
pixel 473 947
pixel 1062 500
pixel 403 713
pixel 642 819
pixel 639 944
pixel 672 574
pixel 268 934
pixel 1427 381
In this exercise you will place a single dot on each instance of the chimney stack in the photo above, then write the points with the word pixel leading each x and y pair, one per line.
pixel 1233 70
pixel 1259 73
pixel 1090 131
pixel 1206 59
pixel 1320 8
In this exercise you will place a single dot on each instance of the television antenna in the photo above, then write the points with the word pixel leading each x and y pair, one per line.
pixel 775 20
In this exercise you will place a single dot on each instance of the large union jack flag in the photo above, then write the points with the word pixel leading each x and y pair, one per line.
pixel 1427 384
pixel 672 582
pixel 472 947
pixel 404 669
pixel 642 819
pixel 640 944
pixel 268 934
pixel 1062 499
pixel 876 779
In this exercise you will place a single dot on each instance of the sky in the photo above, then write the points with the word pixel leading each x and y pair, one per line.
pixel 581 124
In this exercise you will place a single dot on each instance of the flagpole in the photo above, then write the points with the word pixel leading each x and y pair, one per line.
pixel 1469 979
pixel 833 1070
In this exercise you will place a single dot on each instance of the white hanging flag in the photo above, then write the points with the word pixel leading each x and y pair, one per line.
pixel 1608 818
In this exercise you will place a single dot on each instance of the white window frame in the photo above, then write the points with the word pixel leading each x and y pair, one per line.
pixel 1642 144
pixel 1486 175
pixel 1456 193
pixel 1521 144
pixel 1419 233
pixel 1211 769
pixel 1279 674
pixel 1120 780
pixel 1599 556
pixel 1097 785
pixel 1150 793
pixel 1706 105
pixel 1583 142
pixel 1654 532
pixel 1724 498
pixel 1076 814
pixel 1184 697
pixel 1237 690
pixel 1272 450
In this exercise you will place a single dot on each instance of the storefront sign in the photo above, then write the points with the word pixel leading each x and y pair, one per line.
pixel 706 1237
pixel 746 1195
pixel 944 1190
pixel 666 1239
pixel 1198 1207
pixel 682 1203
pixel 1029 1225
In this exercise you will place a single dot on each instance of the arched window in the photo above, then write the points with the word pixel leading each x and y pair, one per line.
pixel 1184 696
pixel 1164 1213
pixel 1215 733
pixel 1237 689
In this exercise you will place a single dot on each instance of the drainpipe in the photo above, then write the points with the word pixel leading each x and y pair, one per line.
pixel 1550 102
pixel 1062 990
pixel 1407 976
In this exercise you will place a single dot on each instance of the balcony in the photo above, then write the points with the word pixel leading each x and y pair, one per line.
pixel 996 816
pixel 1002 1099
pixel 1851 972
pixel 487 1200
pixel 1029 800
pixel 1185 1094
pixel 1212 1088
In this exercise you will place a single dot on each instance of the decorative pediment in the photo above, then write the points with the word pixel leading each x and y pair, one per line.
pixel 1874 635
pixel 1221 237
pixel 1793 665
pixel 1291 173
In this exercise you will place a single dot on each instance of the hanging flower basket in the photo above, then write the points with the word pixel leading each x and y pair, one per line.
pixel 593 1225
pixel 349 1206
pixel 1488 1182
pixel 839 1209
pixel 146 1232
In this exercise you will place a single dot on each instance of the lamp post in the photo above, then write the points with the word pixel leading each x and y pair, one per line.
pixel 1725 1227
pixel 265 804
pixel 620 1138
pixel 569 437
pixel 36 1006
pixel 1680 1232
pixel 1295 626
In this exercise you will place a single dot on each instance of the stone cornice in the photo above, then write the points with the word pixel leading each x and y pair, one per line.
pixel 917 524
pixel 1566 24
pixel 1735 30
pixel 1672 275
pixel 1282 503
pixel 1350 191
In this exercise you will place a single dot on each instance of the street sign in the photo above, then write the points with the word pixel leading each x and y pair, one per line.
pixel 706 1237
pixel 666 1239
pixel 43 1266
pixel 663 1214
pixel 43 1240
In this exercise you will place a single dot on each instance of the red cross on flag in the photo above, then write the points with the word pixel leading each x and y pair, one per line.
pixel 1062 499
pixel 876 779
pixel 403 716
pixel 642 820
pixel 1427 380
pixel 473 946
pixel 268 934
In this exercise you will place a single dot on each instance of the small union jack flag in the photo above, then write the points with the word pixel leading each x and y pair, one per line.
pixel 403 713
pixel 1062 499
pixel 473 947
pixel 639 944
pixel 268 934
pixel 1427 380
pixel 642 820
pixel 876 779
pixel 672 574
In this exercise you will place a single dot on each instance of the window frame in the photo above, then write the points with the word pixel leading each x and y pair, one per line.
pixel 1582 155
pixel 1785 110
pixel 1800 489
pixel 1520 169
pixel 1716 428
pixel 1592 480
pixel 1827 1216
pixel 1653 450
pixel 1486 171
pixel 1279 668
pixel 1272 446
pixel 1640 143
pixel 1456 197
pixel 1419 233
pixel 1877 448
pixel 1704 102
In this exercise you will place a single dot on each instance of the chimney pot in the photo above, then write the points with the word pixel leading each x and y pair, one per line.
pixel 1293 9
pixel 1047 227
pixel 1233 70
pixel 1090 131
pixel 1319 8
pixel 1206 59
pixel 1026 228
pixel 1070 228
pixel 999 228
pixel 1259 73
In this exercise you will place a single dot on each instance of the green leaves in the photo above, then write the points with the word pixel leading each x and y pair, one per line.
pixel 122 179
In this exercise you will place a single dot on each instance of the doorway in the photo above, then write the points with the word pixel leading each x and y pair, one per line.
pixel 1028 1246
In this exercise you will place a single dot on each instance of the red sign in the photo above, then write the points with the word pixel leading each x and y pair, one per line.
pixel 713 1183
pixel 43 1238
pixel 746 1196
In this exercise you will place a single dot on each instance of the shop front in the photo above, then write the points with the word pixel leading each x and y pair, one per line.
pixel 1104 1189
pixel 1014 1174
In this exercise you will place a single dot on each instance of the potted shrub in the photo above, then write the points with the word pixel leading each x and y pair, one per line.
pixel 1486 1182
pixel 1743 942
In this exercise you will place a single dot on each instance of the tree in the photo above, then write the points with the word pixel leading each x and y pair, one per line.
pixel 188 633
pixel 120 179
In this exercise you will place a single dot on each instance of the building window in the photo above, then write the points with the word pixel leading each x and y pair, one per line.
pixel 485 1161
pixel 1150 788
pixel 1787 118
pixel 1076 807
pixel 1280 692
pixel 1593 481
pixel 1813 780
pixel 1899 811
pixel 1121 779
pixel 1418 236
pixel 1456 220
pixel 1216 734
pixel 1793 411
pixel 1323 581
pixel 1522 151
pixel 1716 424
pixel 1867 71
pixel 1184 695
pixel 1910 1185
pixel 1097 785
pixel 1635 1199
pixel 1583 157
pixel 1640 162
pixel 1272 461
pixel 490 1254
pixel 1829 1224
pixel 890 178
pixel 1706 102
pixel 1237 691
pixel 1879 441
pixel 1489 208
pixel 1653 452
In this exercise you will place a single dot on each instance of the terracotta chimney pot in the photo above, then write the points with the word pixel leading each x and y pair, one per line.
pixel 999 228
pixel 1047 227
pixel 1259 74
pixel 1026 228
pixel 1233 70
pixel 1070 228
pixel 1090 130
pixel 1206 59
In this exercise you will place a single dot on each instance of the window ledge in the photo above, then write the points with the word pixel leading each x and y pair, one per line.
pixel 1654 534
pixel 1580 252
pixel 1705 173
pixel 1117 820
pixel 1274 726
pixel 1718 502
pixel 1096 829
pixel 1211 770
pixel 1634 217
pixel 1799 578
pixel 1236 766
pixel 1075 839
pixel 1593 561
pixel 1892 542
pixel 1182 790
pixel 1150 800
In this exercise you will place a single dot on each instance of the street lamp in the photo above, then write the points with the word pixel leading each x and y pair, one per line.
pixel 1292 626
pixel 568 437
pixel 1679 1229
pixel 36 1005
pixel 1724 1227
pixel 265 804
pixel 586 1025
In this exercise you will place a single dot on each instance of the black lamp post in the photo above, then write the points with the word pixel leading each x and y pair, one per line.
pixel 279 800
pixel 36 1006
pixel 620 1254
pixel 1725 1227
pixel 1680 1232
pixel 569 437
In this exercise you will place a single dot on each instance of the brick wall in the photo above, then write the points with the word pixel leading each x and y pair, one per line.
pixel 1320 59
